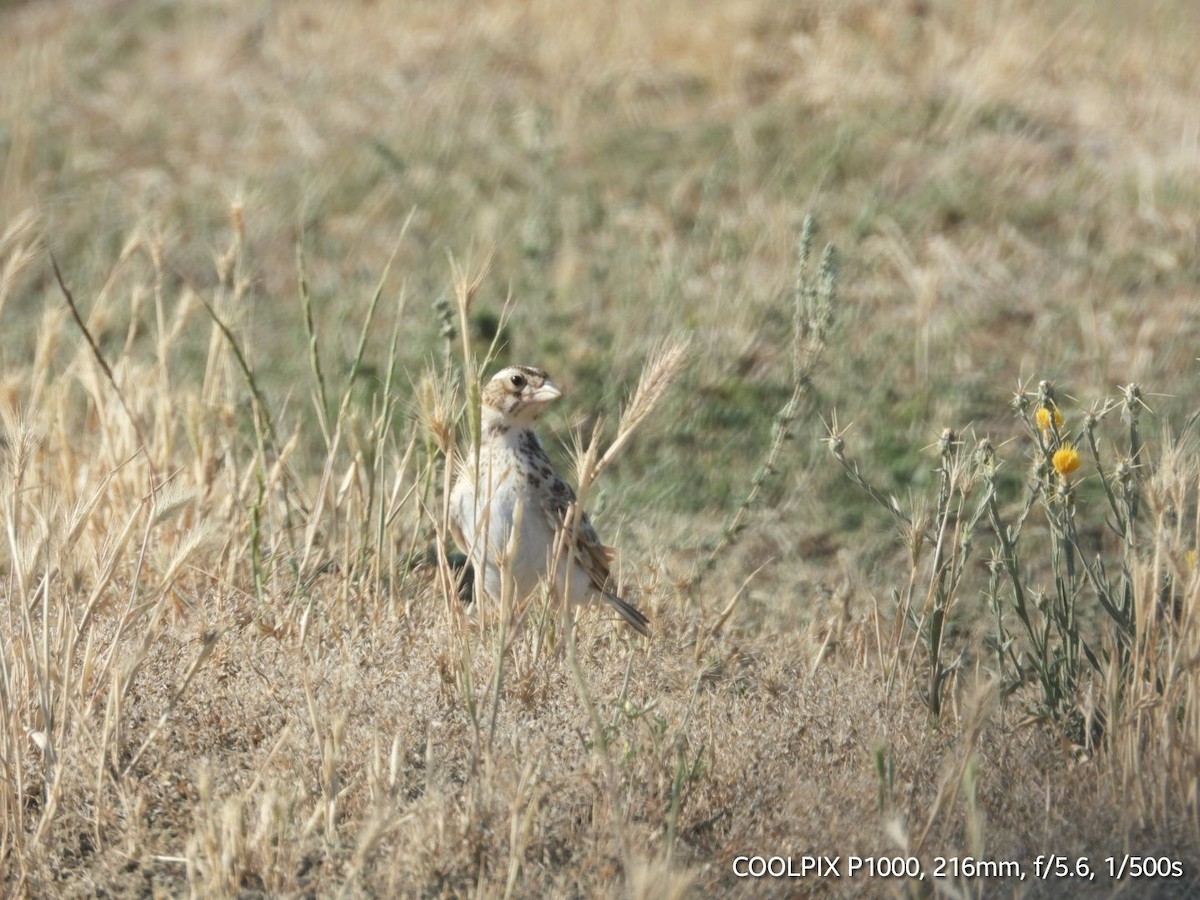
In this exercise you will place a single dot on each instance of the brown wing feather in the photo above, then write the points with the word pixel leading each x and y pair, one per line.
pixel 557 500
pixel 590 553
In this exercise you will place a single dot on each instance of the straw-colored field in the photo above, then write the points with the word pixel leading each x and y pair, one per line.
pixel 292 236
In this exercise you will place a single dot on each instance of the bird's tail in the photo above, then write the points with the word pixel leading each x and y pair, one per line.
pixel 631 614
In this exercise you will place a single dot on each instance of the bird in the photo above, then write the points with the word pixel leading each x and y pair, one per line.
pixel 513 480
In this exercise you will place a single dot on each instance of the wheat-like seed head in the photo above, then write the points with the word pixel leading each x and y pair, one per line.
pixel 663 366
pixel 436 403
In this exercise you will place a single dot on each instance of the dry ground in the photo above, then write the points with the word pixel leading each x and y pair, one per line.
pixel 230 663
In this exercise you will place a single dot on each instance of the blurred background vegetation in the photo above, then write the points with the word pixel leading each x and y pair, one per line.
pixel 1013 188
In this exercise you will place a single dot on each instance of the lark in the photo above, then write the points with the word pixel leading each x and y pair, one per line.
pixel 515 482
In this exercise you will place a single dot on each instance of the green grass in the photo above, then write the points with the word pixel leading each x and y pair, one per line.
pixel 1012 191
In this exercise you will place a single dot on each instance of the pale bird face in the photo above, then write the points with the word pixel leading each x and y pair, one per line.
pixel 517 396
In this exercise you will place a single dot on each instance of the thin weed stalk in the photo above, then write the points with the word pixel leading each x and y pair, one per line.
pixel 814 300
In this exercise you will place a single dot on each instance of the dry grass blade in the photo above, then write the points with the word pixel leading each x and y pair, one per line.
pixel 262 411
pixel 98 355
pixel 17 252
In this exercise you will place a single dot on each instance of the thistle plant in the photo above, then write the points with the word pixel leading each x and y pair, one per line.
pixel 1063 601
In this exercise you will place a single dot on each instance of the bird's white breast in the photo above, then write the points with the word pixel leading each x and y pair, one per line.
pixel 486 509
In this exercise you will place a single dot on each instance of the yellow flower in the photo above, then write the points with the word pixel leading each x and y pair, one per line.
pixel 1066 460
pixel 1044 415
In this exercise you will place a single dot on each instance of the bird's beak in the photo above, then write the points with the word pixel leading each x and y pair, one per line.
pixel 547 392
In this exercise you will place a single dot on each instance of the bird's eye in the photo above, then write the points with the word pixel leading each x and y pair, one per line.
pixel 518 381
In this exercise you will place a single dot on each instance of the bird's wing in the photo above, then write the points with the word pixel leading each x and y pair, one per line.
pixel 557 501
pixel 591 555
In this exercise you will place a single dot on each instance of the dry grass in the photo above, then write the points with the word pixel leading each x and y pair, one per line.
pixel 233 660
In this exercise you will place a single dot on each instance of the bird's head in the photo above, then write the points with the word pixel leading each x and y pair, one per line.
pixel 517 396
